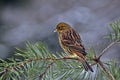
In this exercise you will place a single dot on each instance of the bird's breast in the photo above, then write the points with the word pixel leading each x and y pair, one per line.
pixel 64 47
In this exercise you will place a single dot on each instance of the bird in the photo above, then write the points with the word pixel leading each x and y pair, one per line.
pixel 70 41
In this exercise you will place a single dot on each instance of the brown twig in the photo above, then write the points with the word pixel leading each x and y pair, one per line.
pixel 106 70
pixel 21 64
pixel 47 68
pixel 109 46
pixel 97 59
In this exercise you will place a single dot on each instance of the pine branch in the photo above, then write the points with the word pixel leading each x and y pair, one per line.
pixel 52 60
pixel 20 64
pixel 116 35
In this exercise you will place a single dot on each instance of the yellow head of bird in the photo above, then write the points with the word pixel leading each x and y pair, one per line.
pixel 62 26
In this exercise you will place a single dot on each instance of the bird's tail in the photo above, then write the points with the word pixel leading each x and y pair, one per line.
pixel 86 65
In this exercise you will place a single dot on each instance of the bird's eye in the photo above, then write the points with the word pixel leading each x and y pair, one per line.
pixel 60 28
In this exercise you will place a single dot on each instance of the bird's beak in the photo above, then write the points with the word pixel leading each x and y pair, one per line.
pixel 55 30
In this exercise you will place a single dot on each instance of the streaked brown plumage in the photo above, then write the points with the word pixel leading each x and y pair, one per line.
pixel 71 43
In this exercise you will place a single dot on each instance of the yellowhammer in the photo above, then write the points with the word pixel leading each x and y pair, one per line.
pixel 71 43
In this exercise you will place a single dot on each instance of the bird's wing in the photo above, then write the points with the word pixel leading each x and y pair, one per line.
pixel 74 42
pixel 74 47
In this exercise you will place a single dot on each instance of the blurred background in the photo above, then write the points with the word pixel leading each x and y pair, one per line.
pixel 35 20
